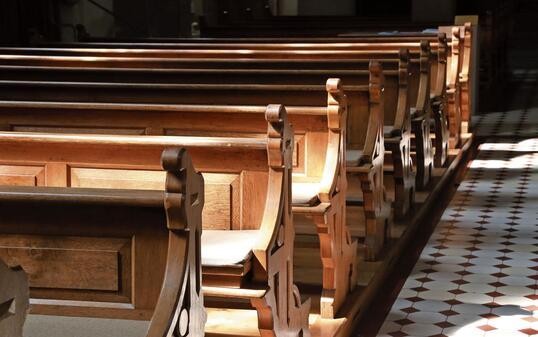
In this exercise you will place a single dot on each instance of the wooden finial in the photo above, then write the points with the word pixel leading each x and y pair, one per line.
pixel 336 103
pixel 280 136
pixel 183 185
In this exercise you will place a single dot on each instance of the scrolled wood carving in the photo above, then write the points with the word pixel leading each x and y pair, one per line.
pixel 421 122
pixel 179 311
pixel 337 248
pixel 376 206
pixel 454 91
pixel 280 310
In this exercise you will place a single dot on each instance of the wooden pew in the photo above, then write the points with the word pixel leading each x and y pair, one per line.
pixel 14 300
pixel 319 187
pixel 257 268
pixel 75 269
pixel 418 86
pixel 397 119
pixel 293 95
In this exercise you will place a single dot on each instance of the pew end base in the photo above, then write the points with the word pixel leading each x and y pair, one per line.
pixel 423 155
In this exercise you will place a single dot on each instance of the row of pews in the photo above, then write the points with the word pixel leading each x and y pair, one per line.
pixel 204 184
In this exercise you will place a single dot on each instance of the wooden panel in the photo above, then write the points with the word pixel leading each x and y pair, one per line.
pixel 113 178
pixel 22 175
pixel 357 121
pixel 55 262
pixel 316 144
pixel 56 175
pixel 222 191
pixel 253 198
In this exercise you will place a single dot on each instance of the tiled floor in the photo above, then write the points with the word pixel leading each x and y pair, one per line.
pixel 478 274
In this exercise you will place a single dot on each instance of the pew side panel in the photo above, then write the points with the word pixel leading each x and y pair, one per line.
pixel 440 104
pixel 367 172
pixel 420 119
pixel 180 309
pixel 397 135
pixel 453 86
pixel 465 78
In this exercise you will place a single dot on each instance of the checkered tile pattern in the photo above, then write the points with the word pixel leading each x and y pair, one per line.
pixel 478 274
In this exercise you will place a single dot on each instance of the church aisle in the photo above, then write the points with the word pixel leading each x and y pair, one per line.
pixel 478 274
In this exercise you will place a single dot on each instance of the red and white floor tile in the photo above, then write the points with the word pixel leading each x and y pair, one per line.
pixel 478 274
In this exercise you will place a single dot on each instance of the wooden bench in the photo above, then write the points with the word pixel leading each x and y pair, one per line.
pixel 311 95
pixel 404 176
pixel 418 86
pixel 255 220
pixel 68 257
pixel 14 300
pixel 319 180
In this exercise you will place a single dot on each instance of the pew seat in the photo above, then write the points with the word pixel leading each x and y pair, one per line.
pixel 305 194
pixel 228 248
